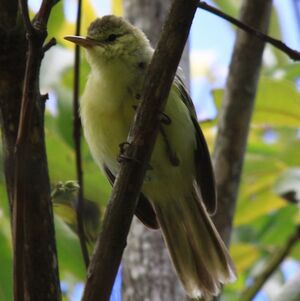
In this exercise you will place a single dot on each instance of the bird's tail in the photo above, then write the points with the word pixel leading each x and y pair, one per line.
pixel 197 251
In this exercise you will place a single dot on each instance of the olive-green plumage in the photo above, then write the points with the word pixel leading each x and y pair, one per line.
pixel 179 186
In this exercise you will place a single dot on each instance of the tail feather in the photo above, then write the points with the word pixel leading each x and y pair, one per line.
pixel 197 251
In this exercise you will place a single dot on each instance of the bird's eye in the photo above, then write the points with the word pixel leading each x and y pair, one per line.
pixel 112 37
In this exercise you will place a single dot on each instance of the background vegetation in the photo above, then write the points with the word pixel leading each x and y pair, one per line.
pixel 267 213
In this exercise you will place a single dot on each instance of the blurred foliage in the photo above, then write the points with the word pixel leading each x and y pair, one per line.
pixel 265 214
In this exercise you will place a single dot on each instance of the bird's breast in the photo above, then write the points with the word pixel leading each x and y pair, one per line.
pixel 106 112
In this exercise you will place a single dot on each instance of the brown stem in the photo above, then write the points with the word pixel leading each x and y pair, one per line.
pixel 120 210
pixel 77 142
pixel 236 111
pixel 35 266
pixel 293 54
pixel 249 293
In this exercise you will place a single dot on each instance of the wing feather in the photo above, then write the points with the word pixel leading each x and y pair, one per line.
pixel 204 172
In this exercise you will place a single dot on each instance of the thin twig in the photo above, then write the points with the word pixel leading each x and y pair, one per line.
pixel 77 142
pixel 52 42
pixel 119 212
pixel 273 264
pixel 293 54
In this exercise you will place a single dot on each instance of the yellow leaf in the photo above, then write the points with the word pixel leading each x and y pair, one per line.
pixel 277 103
pixel 68 28
pixel 260 204
pixel 117 7
pixel 244 255
pixel 88 15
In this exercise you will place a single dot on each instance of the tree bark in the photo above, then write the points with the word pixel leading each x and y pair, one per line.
pixel 147 270
pixel 35 260
pixel 236 111
pixel 13 48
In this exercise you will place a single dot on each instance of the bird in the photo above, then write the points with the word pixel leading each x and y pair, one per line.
pixel 178 193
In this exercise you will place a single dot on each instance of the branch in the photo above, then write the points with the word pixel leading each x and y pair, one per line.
pixel 77 141
pixel 293 54
pixel 273 264
pixel 235 114
pixel 52 42
pixel 120 210
pixel 290 291
pixel 40 20
pixel 35 267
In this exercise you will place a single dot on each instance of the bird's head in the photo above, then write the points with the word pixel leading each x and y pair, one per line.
pixel 112 38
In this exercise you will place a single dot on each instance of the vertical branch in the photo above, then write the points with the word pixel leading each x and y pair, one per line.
pixel 236 111
pixel 119 212
pixel 35 259
pixel 18 203
pixel 77 142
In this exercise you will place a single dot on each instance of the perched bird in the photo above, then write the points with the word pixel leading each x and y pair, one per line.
pixel 178 190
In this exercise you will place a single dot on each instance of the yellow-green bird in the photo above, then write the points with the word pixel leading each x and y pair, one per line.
pixel 178 190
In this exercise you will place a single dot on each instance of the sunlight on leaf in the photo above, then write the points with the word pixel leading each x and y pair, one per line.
pixel 244 255
pixel 263 203
pixel 117 7
pixel 277 103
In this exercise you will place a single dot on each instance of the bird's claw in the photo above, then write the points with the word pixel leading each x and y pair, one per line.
pixel 122 157
pixel 164 118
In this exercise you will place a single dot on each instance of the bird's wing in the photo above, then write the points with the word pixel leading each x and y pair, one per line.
pixel 204 171
pixel 144 210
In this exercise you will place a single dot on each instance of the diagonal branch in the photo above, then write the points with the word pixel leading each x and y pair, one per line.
pixel 293 54
pixel 249 293
pixel 119 213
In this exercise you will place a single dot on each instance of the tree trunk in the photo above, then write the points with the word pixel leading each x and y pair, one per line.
pixel 236 111
pixel 26 172
pixel 147 270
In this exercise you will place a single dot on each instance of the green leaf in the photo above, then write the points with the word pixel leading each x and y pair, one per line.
pixel 277 103
pixel 260 204
pixel 244 255
pixel 61 161
pixel 69 252
pixel 292 71
pixel 56 19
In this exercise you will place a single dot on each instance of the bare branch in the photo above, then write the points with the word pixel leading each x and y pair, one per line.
pixel 41 18
pixel 235 114
pixel 249 293
pixel 32 212
pixel 52 42
pixel 293 54
pixel 119 213
pixel 77 142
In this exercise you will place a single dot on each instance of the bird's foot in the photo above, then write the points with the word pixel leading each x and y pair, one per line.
pixel 123 157
pixel 164 118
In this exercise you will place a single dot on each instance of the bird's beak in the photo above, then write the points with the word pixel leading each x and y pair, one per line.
pixel 85 42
